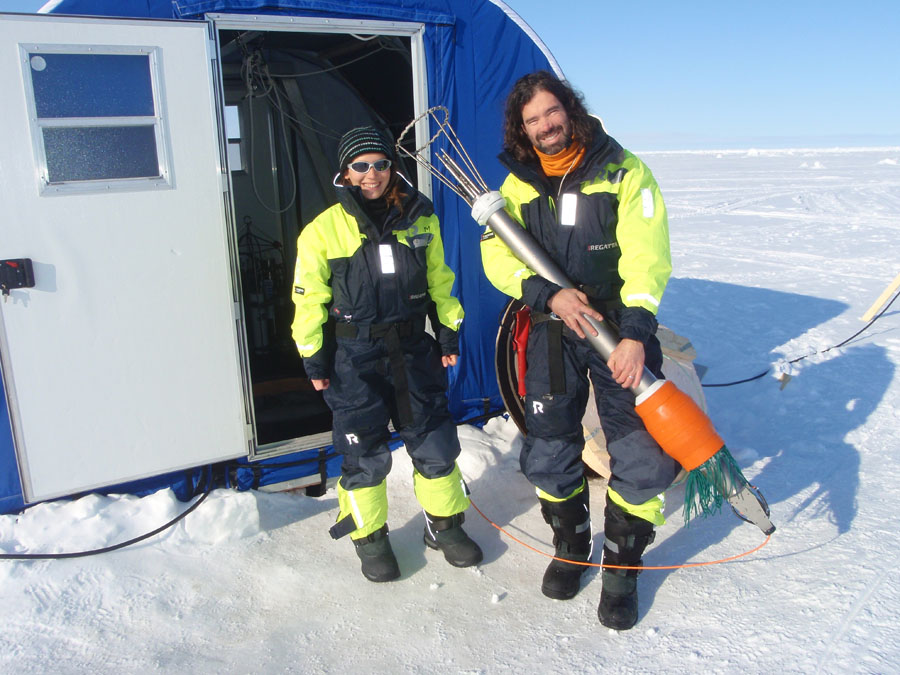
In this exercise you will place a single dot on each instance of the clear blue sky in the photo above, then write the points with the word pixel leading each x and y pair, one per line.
pixel 726 73
pixel 704 73
pixel 21 5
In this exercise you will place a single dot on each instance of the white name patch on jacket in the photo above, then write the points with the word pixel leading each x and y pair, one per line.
pixel 568 208
pixel 387 258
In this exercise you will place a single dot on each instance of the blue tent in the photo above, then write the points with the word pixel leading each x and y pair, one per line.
pixel 474 51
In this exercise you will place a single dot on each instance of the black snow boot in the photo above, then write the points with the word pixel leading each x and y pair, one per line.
pixel 626 538
pixel 571 523
pixel 446 535
pixel 377 556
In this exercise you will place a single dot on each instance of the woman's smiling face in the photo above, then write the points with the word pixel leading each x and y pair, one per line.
pixel 372 183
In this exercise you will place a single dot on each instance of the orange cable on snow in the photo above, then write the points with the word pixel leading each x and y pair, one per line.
pixel 620 567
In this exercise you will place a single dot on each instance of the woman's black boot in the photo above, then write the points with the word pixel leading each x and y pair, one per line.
pixel 377 557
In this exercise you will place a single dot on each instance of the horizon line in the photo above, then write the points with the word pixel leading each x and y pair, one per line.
pixel 734 150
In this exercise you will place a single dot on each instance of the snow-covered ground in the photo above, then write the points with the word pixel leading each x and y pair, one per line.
pixel 777 255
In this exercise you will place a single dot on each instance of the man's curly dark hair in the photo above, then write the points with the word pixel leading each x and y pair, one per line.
pixel 515 141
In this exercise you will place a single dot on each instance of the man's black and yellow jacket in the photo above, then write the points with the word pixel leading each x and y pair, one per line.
pixel 617 250
pixel 339 274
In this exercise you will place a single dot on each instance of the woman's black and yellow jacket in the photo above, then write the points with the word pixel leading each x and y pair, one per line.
pixel 339 274
pixel 616 249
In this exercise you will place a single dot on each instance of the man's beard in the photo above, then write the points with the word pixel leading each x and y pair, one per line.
pixel 559 146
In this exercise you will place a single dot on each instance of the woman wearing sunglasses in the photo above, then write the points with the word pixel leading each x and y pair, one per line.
pixel 372 268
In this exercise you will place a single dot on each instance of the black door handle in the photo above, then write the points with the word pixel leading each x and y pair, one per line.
pixel 16 273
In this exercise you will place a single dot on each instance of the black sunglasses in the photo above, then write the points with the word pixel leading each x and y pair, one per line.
pixel 363 167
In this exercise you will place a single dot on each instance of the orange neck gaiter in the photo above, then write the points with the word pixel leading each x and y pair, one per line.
pixel 563 161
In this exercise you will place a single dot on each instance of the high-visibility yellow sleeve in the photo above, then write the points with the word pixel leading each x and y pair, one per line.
pixel 502 268
pixel 643 235
pixel 311 291
pixel 440 277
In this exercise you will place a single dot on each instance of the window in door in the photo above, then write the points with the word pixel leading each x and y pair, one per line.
pixel 96 119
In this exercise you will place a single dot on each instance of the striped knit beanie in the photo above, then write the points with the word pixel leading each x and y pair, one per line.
pixel 361 140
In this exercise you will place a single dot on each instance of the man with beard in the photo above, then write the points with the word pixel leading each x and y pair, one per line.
pixel 597 211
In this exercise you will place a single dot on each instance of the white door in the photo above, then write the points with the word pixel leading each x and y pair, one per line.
pixel 122 361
